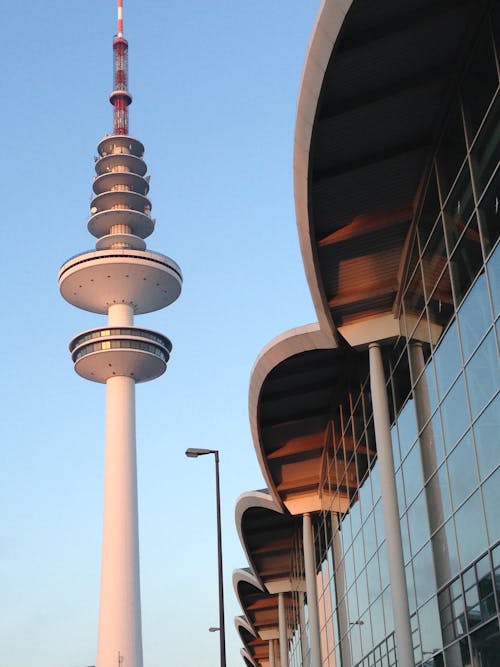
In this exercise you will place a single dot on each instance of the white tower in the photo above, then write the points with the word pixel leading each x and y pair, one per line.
pixel 120 279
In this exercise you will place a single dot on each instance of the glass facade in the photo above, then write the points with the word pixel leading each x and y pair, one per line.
pixel 443 376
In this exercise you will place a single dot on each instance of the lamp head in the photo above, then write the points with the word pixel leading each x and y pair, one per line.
pixel 194 452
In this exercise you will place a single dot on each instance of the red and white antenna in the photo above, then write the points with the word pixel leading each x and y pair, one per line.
pixel 120 18
pixel 120 98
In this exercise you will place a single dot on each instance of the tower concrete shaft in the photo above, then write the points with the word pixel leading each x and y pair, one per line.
pixel 120 279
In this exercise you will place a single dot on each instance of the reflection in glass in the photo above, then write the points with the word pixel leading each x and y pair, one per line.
pixel 491 494
pixel 462 471
pixel 423 570
pixel 466 261
pixel 487 437
pixel 474 316
pixel 483 374
pixel 451 152
pixel 432 445
pixel 454 414
pixel 489 214
pixel 417 523
pixel 486 645
pixel 458 208
pixel 493 268
pixel 407 427
pixel 471 532
pixel 412 474
pixel 447 360
pixel 485 150
pixel 444 549
pixel 430 628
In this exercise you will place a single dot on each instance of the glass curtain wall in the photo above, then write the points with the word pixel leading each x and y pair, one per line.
pixel 443 380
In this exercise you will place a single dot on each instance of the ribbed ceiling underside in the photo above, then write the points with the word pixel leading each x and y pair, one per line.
pixel 297 402
pixel 381 108
pixel 269 538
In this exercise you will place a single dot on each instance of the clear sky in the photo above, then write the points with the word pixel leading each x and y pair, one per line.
pixel 215 86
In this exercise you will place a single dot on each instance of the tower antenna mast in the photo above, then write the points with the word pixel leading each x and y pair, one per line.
pixel 120 98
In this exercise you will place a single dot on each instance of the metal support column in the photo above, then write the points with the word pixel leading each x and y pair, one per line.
pixel 402 627
pixel 282 630
pixel 312 596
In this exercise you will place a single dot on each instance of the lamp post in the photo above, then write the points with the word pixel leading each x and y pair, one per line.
pixel 194 453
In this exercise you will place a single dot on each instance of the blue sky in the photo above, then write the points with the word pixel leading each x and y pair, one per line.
pixel 215 86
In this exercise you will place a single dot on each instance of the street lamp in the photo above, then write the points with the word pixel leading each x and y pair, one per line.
pixel 193 453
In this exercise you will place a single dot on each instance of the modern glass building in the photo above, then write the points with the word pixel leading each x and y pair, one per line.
pixel 377 430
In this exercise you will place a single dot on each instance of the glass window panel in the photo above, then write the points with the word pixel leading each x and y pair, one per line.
pixel 447 359
pixel 462 471
pixel 413 300
pixel 375 480
pixel 483 374
pixel 491 495
pixel 369 537
pixel 355 513
pixel 417 523
pixel 412 474
pixel 493 268
pixel 395 447
pixel 362 592
pixel 485 645
pixel 471 531
pixel 430 209
pixel 438 498
pixel 489 213
pixel 400 491
pixel 410 587
pixel 454 414
pixel 474 316
pixel 479 82
pixel 378 625
pixel 485 149
pixel 358 553
pixel 458 208
pixel 444 549
pixel 466 261
pixel 373 578
pixel 384 566
pixel 405 537
pixel 458 655
pixel 431 446
pixel 451 152
pixel 378 515
pixel 426 387
pixel 407 427
pixel 487 437
pixel 423 570
pixel 430 628
pixel 349 567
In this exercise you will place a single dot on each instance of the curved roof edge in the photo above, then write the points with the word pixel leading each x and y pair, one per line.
pixel 242 622
pixel 328 24
pixel 301 339
pixel 245 654
pixel 262 499
pixel 245 575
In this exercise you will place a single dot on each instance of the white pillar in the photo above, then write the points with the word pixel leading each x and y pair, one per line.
pixel 433 495
pixel 340 591
pixel 312 595
pixel 402 627
pixel 303 635
pixel 120 643
pixel 272 661
pixel 120 315
pixel 283 632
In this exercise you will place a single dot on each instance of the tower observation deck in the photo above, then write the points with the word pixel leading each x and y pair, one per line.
pixel 120 278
